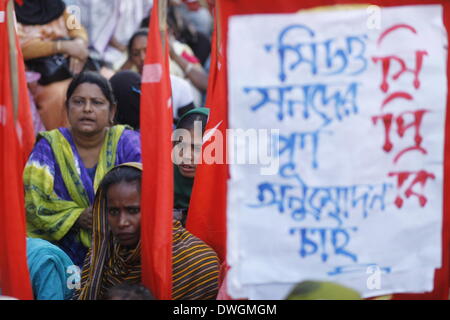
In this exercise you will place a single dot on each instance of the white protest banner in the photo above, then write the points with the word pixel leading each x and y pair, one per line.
pixel 359 183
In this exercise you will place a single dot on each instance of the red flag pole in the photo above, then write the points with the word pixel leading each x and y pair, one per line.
pixel 157 181
pixel 20 90
pixel 14 275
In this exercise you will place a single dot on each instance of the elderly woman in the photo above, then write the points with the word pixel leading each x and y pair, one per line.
pixel 115 256
pixel 67 165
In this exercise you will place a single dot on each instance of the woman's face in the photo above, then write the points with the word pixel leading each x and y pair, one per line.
pixel 89 111
pixel 138 52
pixel 124 212
pixel 190 151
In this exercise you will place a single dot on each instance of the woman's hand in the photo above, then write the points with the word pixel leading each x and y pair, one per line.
pixel 76 48
pixel 116 44
pixel 76 65
pixel 85 219
pixel 78 53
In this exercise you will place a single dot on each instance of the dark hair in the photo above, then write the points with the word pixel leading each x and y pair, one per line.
pixel 121 174
pixel 188 121
pixel 127 291
pixel 94 78
pixel 145 22
pixel 138 33
pixel 172 19
pixel 127 87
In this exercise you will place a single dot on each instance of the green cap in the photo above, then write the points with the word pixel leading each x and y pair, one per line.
pixel 202 111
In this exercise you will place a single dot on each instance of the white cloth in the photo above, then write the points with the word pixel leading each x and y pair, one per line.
pixel 105 19
pixel 181 94
pixel 176 70
pixel 201 19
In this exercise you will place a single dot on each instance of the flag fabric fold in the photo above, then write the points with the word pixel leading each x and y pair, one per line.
pixel 157 181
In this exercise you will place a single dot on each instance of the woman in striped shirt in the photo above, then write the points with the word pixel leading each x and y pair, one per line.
pixel 115 254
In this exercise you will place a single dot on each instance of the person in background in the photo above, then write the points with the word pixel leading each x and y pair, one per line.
pixel 32 78
pixel 127 89
pixel 181 63
pixel 185 167
pixel 126 86
pixel 182 99
pixel 67 165
pixel 42 26
pixel 197 13
pixel 110 24
pixel 127 291
pixel 115 256
pixel 185 32
pixel 50 271
pixel 137 50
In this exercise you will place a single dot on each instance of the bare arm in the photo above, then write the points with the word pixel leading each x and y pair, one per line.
pixel 193 72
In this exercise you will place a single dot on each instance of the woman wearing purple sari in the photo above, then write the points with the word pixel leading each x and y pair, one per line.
pixel 67 165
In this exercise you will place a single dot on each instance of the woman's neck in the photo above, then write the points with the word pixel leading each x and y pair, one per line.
pixel 87 142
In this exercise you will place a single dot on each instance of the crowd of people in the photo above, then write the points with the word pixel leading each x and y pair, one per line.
pixel 84 60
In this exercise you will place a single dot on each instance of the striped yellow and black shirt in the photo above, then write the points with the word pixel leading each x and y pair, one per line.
pixel 195 272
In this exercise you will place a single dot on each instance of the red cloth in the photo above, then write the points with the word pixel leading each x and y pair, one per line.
pixel 189 58
pixel 15 143
pixel 207 213
pixel 157 181
pixel 25 117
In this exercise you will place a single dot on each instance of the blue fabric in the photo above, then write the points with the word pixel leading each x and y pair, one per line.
pixel 48 266
pixel 73 247
pixel 91 172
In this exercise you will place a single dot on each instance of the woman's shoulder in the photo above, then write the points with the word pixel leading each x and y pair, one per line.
pixel 54 134
pixel 125 131
pixel 43 146
pixel 129 145
pixel 45 249
pixel 129 137
pixel 130 132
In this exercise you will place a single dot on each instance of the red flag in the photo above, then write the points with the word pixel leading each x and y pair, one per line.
pixel 207 212
pixel 207 209
pixel 26 130
pixel 15 143
pixel 157 181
